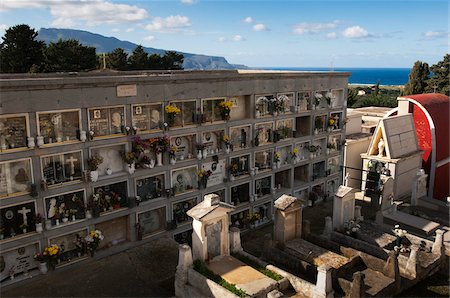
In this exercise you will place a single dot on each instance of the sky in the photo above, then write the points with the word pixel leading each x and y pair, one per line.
pixel 383 33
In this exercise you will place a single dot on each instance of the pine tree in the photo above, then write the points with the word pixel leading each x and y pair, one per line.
pixel 439 81
pixel 69 55
pixel 138 60
pixel 20 51
pixel 117 59
pixel 172 60
pixel 417 79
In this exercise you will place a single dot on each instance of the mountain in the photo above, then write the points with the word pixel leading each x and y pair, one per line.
pixel 105 44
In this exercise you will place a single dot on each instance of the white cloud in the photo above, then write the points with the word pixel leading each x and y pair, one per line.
pixel 260 27
pixel 169 24
pixel 150 38
pixel 331 35
pixel 222 39
pixel 115 30
pixel 188 2
pixel 3 27
pixel 313 28
pixel 248 20
pixel 129 30
pixel 237 38
pixel 91 12
pixel 435 34
pixel 356 32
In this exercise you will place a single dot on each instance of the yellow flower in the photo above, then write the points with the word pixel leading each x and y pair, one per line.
pixel 226 105
pixel 170 109
pixel 331 121
pixel 226 138
pixel 295 151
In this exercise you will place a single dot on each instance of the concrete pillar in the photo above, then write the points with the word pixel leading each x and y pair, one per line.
pixel 306 228
pixel 298 223
pixel 357 287
pixel 323 286
pixel 358 215
pixel 412 263
pixel 235 240
pixel 328 227
pixel 181 275
pixel 391 269
pixel 438 245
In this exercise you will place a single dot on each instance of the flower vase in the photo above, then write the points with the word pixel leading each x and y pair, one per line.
pixel 39 228
pixel 152 163
pixel 73 218
pixel 88 214
pixel 316 131
pixel 199 154
pixel 109 171
pixel 205 153
pixel 232 178
pixel 131 168
pixel 227 149
pixel 278 164
pixel 31 143
pixel 173 160
pixel 40 141
pixel 43 267
pixel 65 219
pixel 24 231
pixel 93 176
pixel 159 159
pixel 48 224
pixel 83 136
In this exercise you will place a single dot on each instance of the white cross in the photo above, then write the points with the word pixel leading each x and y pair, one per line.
pixel 242 160
pixel 24 212
pixel 265 157
pixel 72 161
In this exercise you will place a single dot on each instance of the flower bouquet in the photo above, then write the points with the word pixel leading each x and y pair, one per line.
pixel 129 158
pixel 159 144
pixel 49 255
pixel 171 111
pixel 93 240
pixel 203 177
pixel 93 162
pixel 277 156
pixel 351 227
pixel 172 151
pixel 225 109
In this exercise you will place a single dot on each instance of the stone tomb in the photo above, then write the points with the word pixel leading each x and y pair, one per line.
pixel 288 219
pixel 343 206
pixel 18 260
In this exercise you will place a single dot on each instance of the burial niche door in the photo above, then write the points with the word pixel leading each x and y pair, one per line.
pixel 213 234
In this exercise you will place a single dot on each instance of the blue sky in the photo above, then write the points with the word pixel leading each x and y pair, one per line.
pixel 259 33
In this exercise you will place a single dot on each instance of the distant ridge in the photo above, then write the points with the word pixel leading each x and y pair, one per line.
pixel 105 44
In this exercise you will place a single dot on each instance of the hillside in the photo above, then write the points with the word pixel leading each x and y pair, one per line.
pixel 105 44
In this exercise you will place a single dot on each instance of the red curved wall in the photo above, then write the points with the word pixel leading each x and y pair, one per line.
pixel 423 133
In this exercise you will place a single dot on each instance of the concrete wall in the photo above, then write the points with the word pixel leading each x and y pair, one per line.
pixel 352 151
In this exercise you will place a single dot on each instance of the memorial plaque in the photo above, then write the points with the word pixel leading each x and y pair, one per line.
pixel 262 104
pixel 285 153
pixel 153 221
pixel 335 120
pixel 179 210
pixel 334 165
pixel 240 194
pixel 240 136
pixel 218 172
pixel 264 211
pixel 18 260
pixel 288 101
pixel 147 117
pixel 67 243
pixel 211 109
pixel 107 121
pixel 239 220
pixel 13 131
pixel 69 205
pixel 183 180
pixel 150 188
pixel 115 231
pixel 263 186
pixel 126 90
pixel 303 100
pixel 188 111
pixel 264 132
pixel 15 177
pixel 113 194
pixel 59 126
pixel 62 168
pixel 243 164
pixel 112 158
pixel 17 219
pixel 264 159
pixel 212 141
pixel 185 146
pixel 284 128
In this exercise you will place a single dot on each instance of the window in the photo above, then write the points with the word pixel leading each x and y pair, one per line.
pixel 15 177
pixel 61 168
pixel 188 113
pixel 59 126
pixel 106 121
pixel 150 188
pixel 211 109
pixel 64 208
pixel 147 117
pixel 13 131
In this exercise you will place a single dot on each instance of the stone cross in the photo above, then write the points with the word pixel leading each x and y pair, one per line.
pixel 242 161
pixel 265 157
pixel 24 212
pixel 72 161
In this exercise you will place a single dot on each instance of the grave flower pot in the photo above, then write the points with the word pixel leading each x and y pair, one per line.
pixel 43 267
pixel 159 162
pixel 88 214
pixel 83 136
pixel 131 168
pixel 40 141
pixel 48 224
pixel 93 176
pixel 199 154
pixel 205 153
pixel 65 219
pixel 173 161
pixel 39 228
pixel 31 143
pixel 227 149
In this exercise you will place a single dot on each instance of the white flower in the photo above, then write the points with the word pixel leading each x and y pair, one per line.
pixel 318 95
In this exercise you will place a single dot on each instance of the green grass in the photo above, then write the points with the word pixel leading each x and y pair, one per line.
pixel 201 268
pixel 258 267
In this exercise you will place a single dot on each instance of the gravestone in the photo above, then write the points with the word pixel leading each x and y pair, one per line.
pixel 210 237
pixel 18 260
pixel 343 206
pixel 419 189
pixel 288 219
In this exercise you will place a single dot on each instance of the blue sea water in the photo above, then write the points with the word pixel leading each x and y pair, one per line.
pixel 386 76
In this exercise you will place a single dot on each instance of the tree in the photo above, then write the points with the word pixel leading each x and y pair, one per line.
pixel 20 51
pixel 117 59
pixel 138 60
pixel 352 97
pixel 439 81
pixel 417 79
pixel 69 55
pixel 375 101
pixel 155 62
pixel 172 60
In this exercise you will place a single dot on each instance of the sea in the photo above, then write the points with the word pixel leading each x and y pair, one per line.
pixel 364 76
